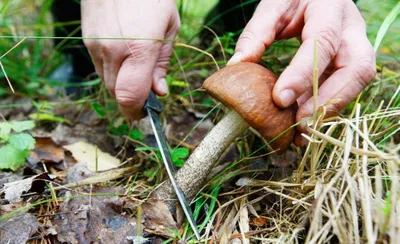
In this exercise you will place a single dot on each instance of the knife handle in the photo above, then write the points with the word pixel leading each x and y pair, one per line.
pixel 153 103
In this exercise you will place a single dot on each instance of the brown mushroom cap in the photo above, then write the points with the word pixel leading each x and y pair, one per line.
pixel 247 88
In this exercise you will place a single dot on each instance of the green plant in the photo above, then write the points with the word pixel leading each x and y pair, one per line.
pixel 178 155
pixel 124 130
pixel 45 113
pixel 15 143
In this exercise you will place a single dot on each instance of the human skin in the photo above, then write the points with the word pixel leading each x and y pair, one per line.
pixel 346 61
pixel 130 68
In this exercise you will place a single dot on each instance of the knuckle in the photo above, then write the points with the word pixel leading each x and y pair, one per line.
pixel 90 43
pixel 328 41
pixel 126 98
pixel 247 35
pixel 138 50
pixel 106 48
pixel 336 106
pixel 305 74
pixel 365 71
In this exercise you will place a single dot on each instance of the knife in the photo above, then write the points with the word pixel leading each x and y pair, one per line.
pixel 153 108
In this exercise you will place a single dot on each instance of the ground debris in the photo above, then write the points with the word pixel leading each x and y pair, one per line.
pixel 98 218
pixel 18 229
pixel 158 218
pixel 14 190
pixel 182 126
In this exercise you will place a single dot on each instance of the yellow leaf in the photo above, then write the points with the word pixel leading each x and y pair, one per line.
pixel 94 158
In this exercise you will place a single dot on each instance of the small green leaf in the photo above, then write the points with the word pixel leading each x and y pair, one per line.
pixel 176 233
pixel 98 109
pixel 136 134
pixel 5 129
pixel 22 141
pixel 179 83
pixel 123 129
pixel 388 206
pixel 179 162
pixel 46 117
pixel 181 153
pixel 19 126
pixel 2 92
pixel 12 158
pixel 138 149
pixel 178 155
pixel 204 73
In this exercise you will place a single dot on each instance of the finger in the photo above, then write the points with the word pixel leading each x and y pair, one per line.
pixel 347 82
pixel 268 19
pixel 323 23
pixel 135 77
pixel 299 140
pixel 160 86
pixel 308 94
pixel 112 53
pixel 355 64
pixel 92 47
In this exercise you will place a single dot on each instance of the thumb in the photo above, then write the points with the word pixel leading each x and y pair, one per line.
pixel 260 32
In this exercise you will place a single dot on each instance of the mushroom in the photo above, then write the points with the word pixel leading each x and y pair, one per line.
pixel 245 88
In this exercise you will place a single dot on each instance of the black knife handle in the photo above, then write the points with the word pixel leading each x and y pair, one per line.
pixel 153 103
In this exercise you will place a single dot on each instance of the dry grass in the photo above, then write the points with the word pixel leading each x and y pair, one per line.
pixel 352 196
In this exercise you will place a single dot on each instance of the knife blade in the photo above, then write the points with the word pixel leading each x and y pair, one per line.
pixel 153 108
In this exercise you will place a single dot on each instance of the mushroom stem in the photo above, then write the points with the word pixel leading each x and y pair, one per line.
pixel 197 168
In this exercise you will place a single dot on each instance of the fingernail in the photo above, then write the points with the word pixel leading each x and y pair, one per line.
pixel 237 58
pixel 287 97
pixel 162 86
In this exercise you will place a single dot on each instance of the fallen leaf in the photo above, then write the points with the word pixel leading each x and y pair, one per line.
pixel 18 229
pixel 259 221
pixel 46 151
pixel 94 158
pixel 8 208
pixel 6 177
pixel 14 190
pixel 94 219
pixel 158 218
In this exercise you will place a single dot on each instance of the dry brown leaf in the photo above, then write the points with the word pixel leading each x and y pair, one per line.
pixel 18 229
pixel 89 154
pixel 259 221
pixel 97 217
pixel 14 190
pixel 46 151
pixel 158 218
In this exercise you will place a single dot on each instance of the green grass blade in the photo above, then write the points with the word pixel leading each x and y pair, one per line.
pixel 386 25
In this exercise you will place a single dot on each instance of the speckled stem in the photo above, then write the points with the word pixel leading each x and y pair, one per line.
pixel 191 177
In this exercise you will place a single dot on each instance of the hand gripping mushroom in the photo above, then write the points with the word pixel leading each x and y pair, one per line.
pixel 245 88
